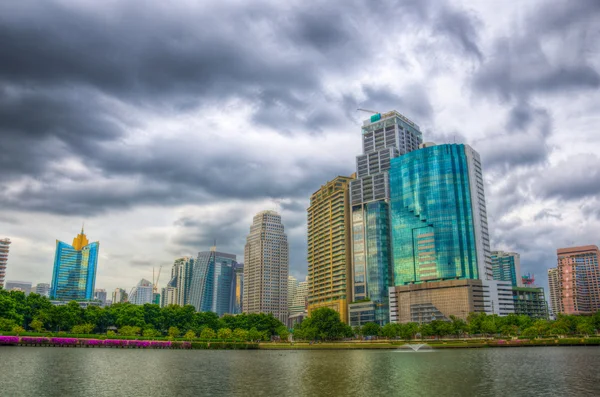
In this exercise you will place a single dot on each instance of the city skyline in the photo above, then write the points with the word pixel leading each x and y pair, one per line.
pixel 271 126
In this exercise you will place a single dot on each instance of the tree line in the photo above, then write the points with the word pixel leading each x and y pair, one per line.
pixel 21 313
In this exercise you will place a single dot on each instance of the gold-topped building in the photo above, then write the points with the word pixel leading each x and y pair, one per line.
pixel 329 253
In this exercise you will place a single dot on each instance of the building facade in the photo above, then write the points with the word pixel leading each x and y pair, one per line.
pixel 575 282
pixel 100 295
pixel 297 296
pixel 530 301
pixel 23 286
pixel 384 137
pixel 266 267
pixel 178 288
pixel 4 248
pixel 237 289
pixel 74 274
pixel 43 289
pixel 142 293
pixel 329 248
pixel 506 266
pixel 212 280
pixel 119 295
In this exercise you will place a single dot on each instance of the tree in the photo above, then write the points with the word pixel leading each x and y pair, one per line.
pixel 442 328
pixel 509 330
pixel 391 330
pixel 36 325
pixel 189 335
pixel 409 330
pixel 283 333
pixel 174 332
pixel 323 323
pixel 18 330
pixel 83 329
pixel 240 334
pixel 426 330
pixel 224 333
pixel 371 329
pixel 585 326
pixel 254 335
pixel 207 333
pixel 488 326
pixel 459 326
pixel 129 330
pixel 150 332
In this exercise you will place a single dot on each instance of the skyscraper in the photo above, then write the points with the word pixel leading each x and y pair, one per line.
pixel 237 289
pixel 384 137
pixel 575 282
pixel 178 289
pixel 100 295
pixel 74 275
pixel 507 267
pixel 119 296
pixel 43 289
pixel 440 236
pixel 297 300
pixel 329 248
pixel 210 288
pixel 4 247
pixel 142 293
pixel 266 266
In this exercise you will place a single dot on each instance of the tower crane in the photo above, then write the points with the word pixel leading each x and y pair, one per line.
pixel 155 280
pixel 367 111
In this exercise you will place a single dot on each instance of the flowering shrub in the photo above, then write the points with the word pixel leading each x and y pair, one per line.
pixel 115 342
pixel 9 340
pixel 30 340
pixel 186 345
pixel 64 341
pixel 139 343
pixel 91 342
pixel 160 343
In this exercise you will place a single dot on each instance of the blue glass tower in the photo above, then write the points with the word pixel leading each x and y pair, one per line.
pixel 211 284
pixel 438 216
pixel 74 274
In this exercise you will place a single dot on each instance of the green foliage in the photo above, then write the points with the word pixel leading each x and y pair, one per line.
pixel 174 332
pixel 255 335
pixel 18 330
pixel 283 333
pixel 128 330
pixel 36 325
pixel 240 334
pixel 7 324
pixel 224 333
pixel 323 324
pixel 83 329
pixel 110 333
pixel 208 333
pixel 190 335
pixel 370 329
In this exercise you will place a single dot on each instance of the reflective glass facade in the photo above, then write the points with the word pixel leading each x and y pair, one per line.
pixel 435 220
pixel 211 284
pixel 74 274
pixel 507 267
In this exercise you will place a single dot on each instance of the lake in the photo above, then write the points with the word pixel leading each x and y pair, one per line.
pixel 523 371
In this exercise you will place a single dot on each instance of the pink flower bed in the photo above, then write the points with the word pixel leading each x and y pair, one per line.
pixel 32 340
pixel 64 341
pixel 9 340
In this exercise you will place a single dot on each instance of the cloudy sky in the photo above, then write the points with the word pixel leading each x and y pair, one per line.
pixel 163 126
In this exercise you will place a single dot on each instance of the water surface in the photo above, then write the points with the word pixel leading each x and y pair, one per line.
pixel 525 371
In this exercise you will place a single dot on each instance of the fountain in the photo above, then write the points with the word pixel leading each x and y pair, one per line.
pixel 415 347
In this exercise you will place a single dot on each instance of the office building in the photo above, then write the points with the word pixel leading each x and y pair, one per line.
pixel 119 295
pixel 384 137
pixel 575 282
pixel 4 248
pixel 178 289
pixel 266 267
pixel 506 266
pixel 297 296
pixel 43 289
pixel 210 288
pixel 329 248
pixel 74 275
pixel 142 293
pixel 237 289
pixel 23 286
pixel 100 295
pixel 530 301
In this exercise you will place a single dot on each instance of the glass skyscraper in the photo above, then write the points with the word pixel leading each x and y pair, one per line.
pixel 237 289
pixel 384 137
pixel 438 216
pixel 211 282
pixel 507 267
pixel 74 275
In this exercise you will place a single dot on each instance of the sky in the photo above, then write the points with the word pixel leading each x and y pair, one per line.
pixel 166 125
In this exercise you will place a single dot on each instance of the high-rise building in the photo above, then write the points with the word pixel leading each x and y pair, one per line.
pixel 4 248
pixel 100 295
pixel 142 293
pixel 74 275
pixel 292 285
pixel 506 266
pixel 384 137
pixel 575 282
pixel 23 286
pixel 530 301
pixel 266 267
pixel 439 233
pixel 178 289
pixel 119 295
pixel 237 289
pixel 211 282
pixel 329 248
pixel 43 289
pixel 298 301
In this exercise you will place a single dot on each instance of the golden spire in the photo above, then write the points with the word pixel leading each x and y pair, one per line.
pixel 80 241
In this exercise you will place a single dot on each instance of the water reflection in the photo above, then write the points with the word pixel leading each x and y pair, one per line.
pixel 32 371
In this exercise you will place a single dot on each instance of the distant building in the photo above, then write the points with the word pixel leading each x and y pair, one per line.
pixel 119 296
pixel 178 289
pixel 212 281
pixel 4 248
pixel 507 267
pixel 297 296
pixel 329 248
pixel 142 293
pixel 530 301
pixel 296 319
pixel 43 289
pixel 575 282
pixel 23 286
pixel 100 295
pixel 237 289
pixel 82 304
pixel 74 275
pixel 266 267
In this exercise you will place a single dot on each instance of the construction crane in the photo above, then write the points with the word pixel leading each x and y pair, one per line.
pixel 367 111
pixel 155 280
